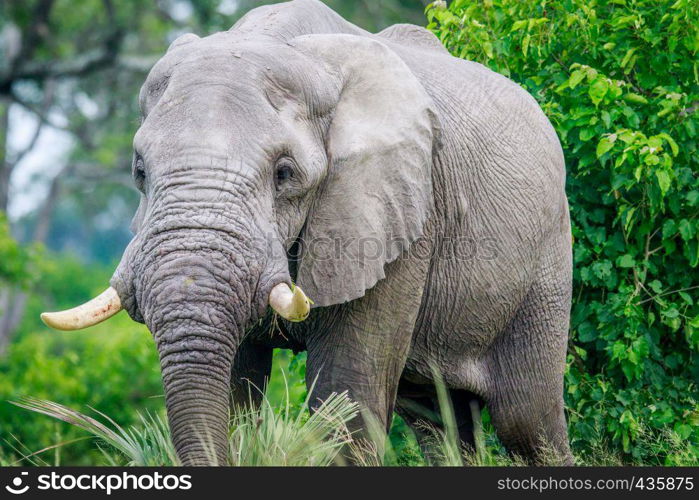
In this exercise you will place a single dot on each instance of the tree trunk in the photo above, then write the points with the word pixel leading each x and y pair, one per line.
pixel 5 166
pixel 13 302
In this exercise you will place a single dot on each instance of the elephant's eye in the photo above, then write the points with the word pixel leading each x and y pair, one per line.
pixel 284 171
pixel 139 172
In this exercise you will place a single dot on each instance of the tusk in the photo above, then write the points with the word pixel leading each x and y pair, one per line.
pixel 291 305
pixel 102 307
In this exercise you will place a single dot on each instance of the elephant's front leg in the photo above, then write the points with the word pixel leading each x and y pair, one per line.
pixel 361 347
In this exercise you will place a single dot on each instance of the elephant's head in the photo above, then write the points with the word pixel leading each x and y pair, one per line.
pixel 245 148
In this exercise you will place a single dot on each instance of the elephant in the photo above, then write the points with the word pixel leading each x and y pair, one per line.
pixel 390 209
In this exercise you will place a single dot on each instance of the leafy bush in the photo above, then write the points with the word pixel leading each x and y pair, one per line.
pixel 619 80
pixel 16 262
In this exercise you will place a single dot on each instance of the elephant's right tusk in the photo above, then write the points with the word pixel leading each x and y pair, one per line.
pixel 102 307
pixel 290 305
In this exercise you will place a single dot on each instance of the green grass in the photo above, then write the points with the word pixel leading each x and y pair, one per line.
pixel 288 435
pixel 258 437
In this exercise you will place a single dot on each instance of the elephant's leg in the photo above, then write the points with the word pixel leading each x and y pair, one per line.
pixel 532 425
pixel 526 367
pixel 250 373
pixel 361 363
pixel 361 347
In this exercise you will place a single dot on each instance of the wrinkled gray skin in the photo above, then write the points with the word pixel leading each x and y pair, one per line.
pixel 389 140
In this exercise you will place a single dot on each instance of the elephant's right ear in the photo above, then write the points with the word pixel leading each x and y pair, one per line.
pixel 377 195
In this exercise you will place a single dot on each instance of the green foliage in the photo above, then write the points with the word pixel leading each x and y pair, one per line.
pixel 149 444
pixel 61 282
pixel 17 264
pixel 112 367
pixel 619 80
pixel 288 378
pixel 291 436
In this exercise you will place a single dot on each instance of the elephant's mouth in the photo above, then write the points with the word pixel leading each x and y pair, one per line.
pixel 289 302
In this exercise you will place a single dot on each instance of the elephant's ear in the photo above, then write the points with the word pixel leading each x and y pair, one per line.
pixel 378 191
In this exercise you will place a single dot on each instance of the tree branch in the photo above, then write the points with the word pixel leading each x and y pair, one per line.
pixel 42 116
pixel 77 66
pixel 34 33
pixel 655 297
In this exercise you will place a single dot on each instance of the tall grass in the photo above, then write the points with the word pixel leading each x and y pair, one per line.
pixel 290 435
pixel 258 437
pixel 147 444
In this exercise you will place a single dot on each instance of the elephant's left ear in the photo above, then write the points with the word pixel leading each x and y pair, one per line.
pixel 377 195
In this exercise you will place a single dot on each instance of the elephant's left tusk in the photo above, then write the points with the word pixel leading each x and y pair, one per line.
pixel 104 306
pixel 290 305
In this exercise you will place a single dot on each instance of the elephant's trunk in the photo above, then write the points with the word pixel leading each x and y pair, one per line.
pixel 196 369
pixel 195 292
pixel 196 320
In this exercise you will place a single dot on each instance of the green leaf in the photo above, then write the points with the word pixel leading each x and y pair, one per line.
pixel 518 25
pixel 656 286
pixel 693 198
pixel 626 261
pixel 605 144
pixel 664 181
pixel 586 332
pixel 488 48
pixel 695 321
pixel 635 98
pixel 627 56
pixel 606 119
pixel 673 145
pixel 686 297
pixel 686 229
pixel 575 78
pixel 598 89
pixel 671 313
pixel 669 228
pixel 525 44
pixel 586 134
